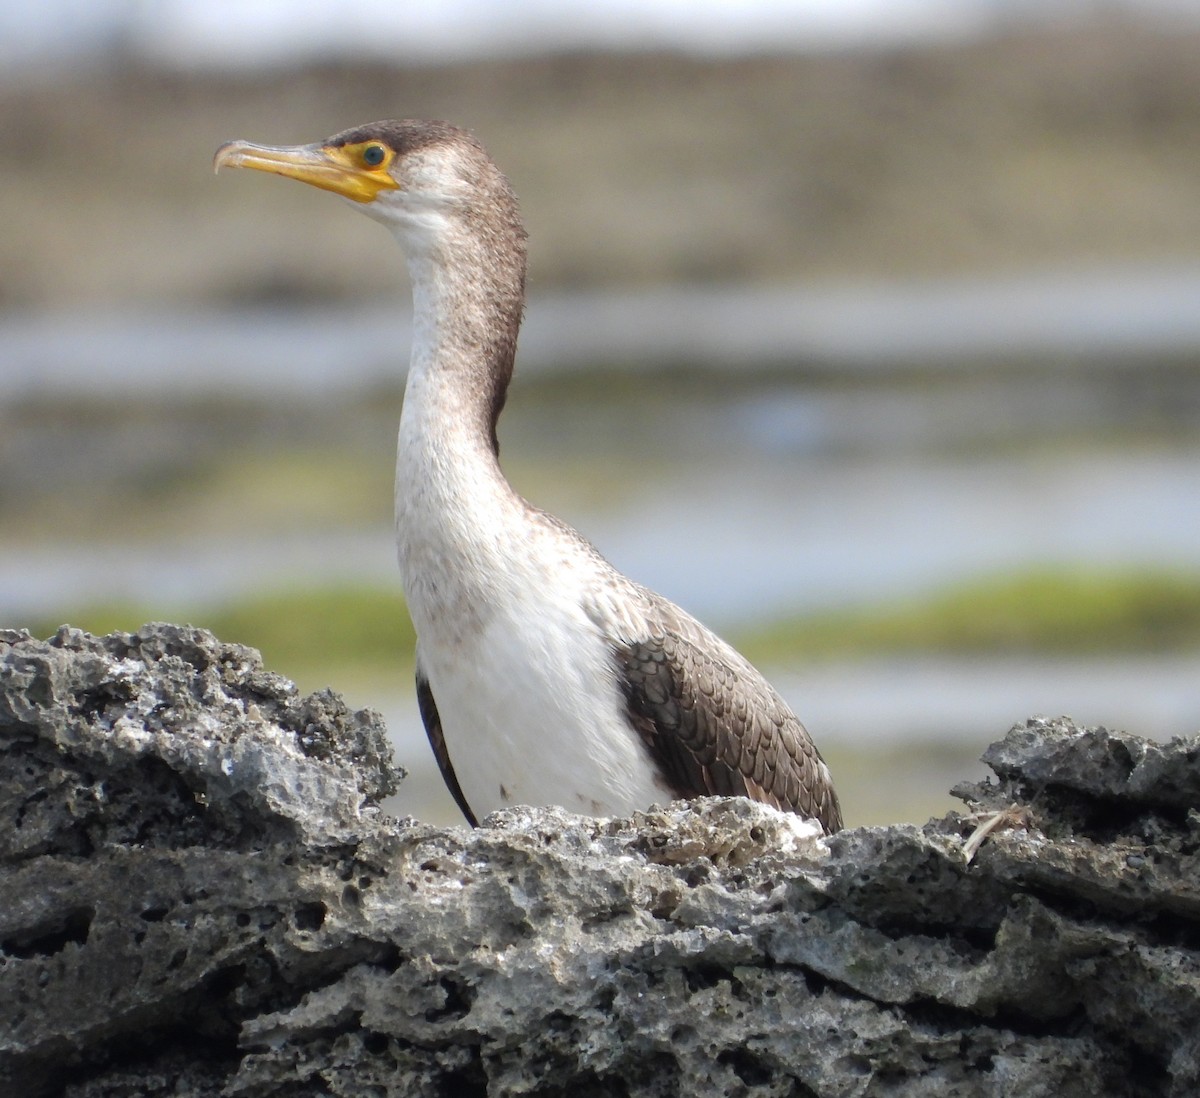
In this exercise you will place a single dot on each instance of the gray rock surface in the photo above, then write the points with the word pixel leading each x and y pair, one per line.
pixel 199 897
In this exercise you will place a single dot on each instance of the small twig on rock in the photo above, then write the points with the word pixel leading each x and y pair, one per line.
pixel 1015 815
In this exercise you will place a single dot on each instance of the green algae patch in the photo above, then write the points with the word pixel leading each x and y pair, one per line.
pixel 1051 611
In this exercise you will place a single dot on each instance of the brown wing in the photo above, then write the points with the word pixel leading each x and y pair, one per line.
pixel 433 729
pixel 714 726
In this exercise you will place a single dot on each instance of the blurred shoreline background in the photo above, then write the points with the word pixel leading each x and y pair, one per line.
pixel 874 343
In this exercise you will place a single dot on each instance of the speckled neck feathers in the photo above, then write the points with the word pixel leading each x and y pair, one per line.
pixel 462 233
pixel 455 511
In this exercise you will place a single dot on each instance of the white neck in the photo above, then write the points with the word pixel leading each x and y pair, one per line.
pixel 456 514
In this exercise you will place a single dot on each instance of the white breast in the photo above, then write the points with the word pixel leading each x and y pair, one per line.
pixel 531 709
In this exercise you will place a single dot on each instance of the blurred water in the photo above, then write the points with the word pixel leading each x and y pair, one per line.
pixel 731 543
pixel 859 531
pixel 868 479
pixel 1087 316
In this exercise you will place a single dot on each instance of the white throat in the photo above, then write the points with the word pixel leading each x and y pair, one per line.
pixel 453 505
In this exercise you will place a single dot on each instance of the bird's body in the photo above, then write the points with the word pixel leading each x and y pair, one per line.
pixel 544 675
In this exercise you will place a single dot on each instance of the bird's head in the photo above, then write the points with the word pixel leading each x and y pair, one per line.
pixel 421 179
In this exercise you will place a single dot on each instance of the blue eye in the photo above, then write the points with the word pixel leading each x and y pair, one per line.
pixel 373 155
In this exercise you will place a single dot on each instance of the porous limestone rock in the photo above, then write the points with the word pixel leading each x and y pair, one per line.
pixel 200 897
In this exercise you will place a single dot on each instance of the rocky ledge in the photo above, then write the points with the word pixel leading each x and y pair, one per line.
pixel 199 897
